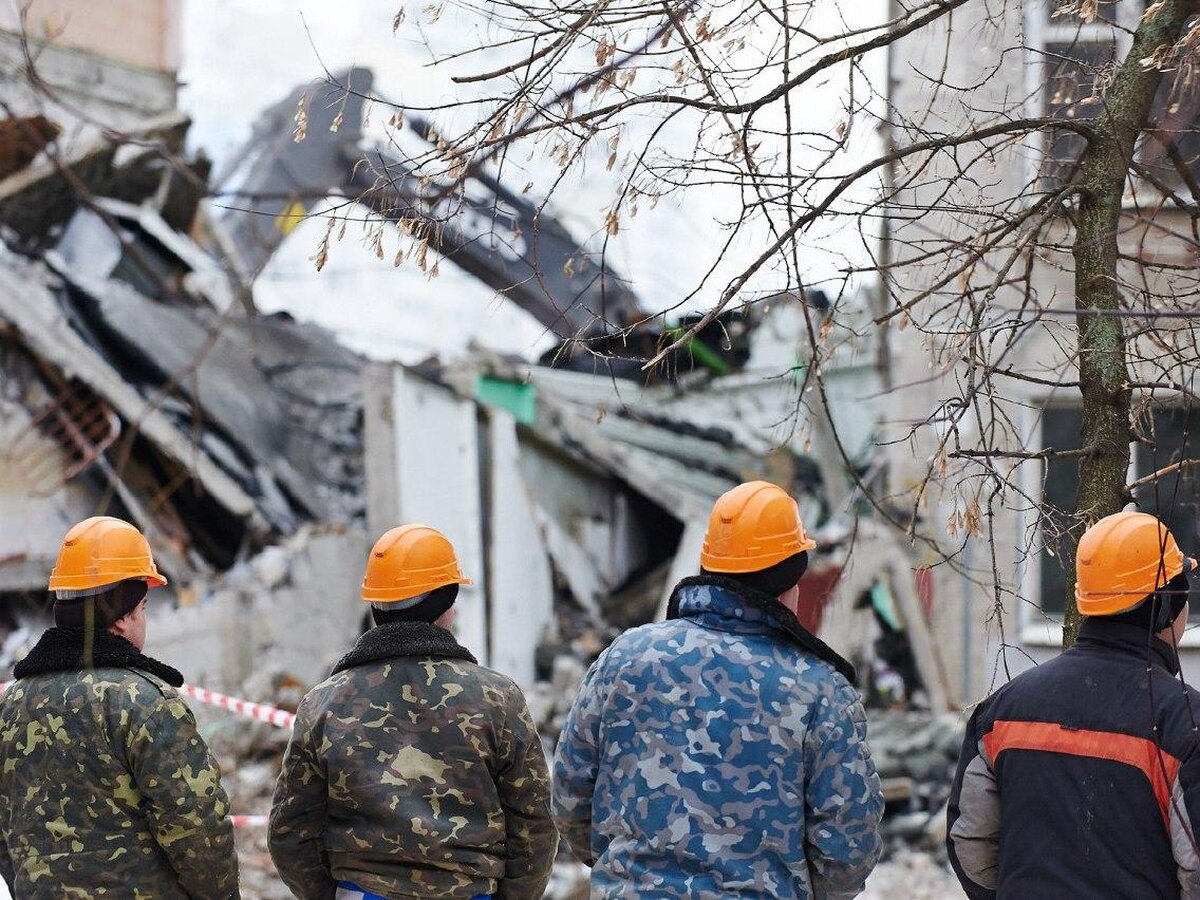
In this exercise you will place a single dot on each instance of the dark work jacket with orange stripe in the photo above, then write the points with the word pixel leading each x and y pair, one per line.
pixel 1062 789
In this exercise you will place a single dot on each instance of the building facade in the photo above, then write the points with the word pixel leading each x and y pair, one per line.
pixel 985 427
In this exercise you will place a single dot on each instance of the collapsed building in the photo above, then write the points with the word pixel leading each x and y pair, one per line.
pixel 259 453
pixel 136 380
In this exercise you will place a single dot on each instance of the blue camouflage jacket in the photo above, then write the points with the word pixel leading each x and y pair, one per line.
pixel 713 755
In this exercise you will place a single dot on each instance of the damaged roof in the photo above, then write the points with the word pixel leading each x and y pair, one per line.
pixel 264 414
pixel 656 440
pixel 233 425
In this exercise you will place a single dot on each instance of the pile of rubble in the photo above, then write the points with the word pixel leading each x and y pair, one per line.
pixel 250 755
pixel 916 754
pixel 913 876
pixel 250 785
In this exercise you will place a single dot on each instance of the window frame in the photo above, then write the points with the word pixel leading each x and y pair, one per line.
pixel 1035 626
pixel 1041 31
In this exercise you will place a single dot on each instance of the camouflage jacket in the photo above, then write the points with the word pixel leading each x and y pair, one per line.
pixel 106 787
pixel 413 772
pixel 713 755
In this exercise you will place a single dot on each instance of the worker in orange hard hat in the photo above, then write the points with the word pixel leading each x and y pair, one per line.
pixel 724 750
pixel 755 537
pixel 413 771
pixel 100 580
pixel 1097 745
pixel 109 787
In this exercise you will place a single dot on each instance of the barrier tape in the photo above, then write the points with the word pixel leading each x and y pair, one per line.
pixel 260 712
pixel 249 821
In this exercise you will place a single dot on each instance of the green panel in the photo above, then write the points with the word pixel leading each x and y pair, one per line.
pixel 881 599
pixel 516 397
pixel 701 353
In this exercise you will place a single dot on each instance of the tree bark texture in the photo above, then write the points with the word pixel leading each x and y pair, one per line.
pixel 1103 375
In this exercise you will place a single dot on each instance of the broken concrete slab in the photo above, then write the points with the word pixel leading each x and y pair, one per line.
pixel 30 308
pixel 36 199
pixel 228 367
pixel 294 607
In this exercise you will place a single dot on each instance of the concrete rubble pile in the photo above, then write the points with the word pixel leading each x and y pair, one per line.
pixel 915 754
pixel 912 876
pixel 137 379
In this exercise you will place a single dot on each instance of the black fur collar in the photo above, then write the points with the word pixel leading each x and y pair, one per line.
pixel 778 617
pixel 400 639
pixel 62 650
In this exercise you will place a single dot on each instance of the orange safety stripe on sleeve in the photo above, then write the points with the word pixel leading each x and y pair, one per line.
pixel 1159 766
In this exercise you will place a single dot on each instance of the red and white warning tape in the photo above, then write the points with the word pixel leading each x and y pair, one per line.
pixel 260 712
pixel 248 821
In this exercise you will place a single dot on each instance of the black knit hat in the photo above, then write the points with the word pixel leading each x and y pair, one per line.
pixel 105 607
pixel 1159 609
pixel 428 609
pixel 772 581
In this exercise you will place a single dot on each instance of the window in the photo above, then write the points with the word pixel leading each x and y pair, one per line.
pixel 1061 429
pixel 1073 65
pixel 1174 498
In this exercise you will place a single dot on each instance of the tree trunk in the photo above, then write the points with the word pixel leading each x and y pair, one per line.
pixel 1103 376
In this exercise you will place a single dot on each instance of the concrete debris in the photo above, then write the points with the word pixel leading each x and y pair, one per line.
pixel 915 754
pixel 638 600
pixel 223 431
pixel 250 784
pixel 568 676
pixel 569 880
pixel 912 876
pixel 17 644
pixel 914 744
pixel 284 395
pixel 33 309
pixel 241 741
pixel 37 199
pixel 550 701
pixel 544 708
pixel 237 631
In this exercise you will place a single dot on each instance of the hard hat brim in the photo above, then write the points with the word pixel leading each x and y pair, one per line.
pixel 396 594
pixel 740 565
pixel 86 582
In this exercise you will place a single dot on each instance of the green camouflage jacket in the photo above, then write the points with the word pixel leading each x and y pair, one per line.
pixel 414 772
pixel 106 787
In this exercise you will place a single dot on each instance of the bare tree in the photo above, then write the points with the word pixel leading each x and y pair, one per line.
pixel 1022 152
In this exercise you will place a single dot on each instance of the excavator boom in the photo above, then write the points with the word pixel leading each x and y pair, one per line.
pixel 500 237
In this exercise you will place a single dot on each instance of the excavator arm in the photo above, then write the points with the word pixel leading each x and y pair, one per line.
pixel 498 236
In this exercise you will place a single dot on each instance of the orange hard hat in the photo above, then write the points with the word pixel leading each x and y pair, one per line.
pixel 753 527
pixel 407 561
pixel 101 551
pixel 1121 560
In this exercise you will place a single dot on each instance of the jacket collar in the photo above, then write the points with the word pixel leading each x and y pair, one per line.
pixel 1098 633
pixel 64 650
pixel 729 605
pixel 400 639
